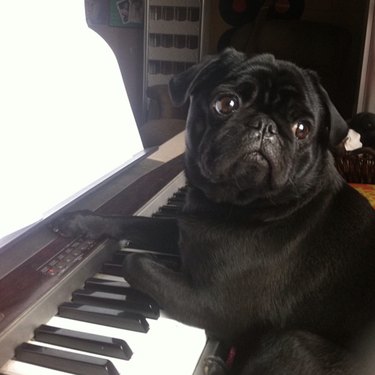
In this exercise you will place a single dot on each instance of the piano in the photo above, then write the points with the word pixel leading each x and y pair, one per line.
pixel 67 310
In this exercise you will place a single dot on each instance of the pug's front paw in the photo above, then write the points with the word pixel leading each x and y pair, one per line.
pixel 79 223
pixel 137 267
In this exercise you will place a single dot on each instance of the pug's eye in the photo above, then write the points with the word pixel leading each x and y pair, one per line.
pixel 300 130
pixel 227 104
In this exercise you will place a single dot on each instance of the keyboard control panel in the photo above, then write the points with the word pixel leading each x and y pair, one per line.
pixel 71 254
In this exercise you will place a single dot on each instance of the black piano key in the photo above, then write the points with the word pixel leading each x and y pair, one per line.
pixel 176 202
pixel 178 199
pixel 160 214
pixel 168 210
pixel 120 255
pixel 170 207
pixel 118 287
pixel 115 266
pixel 88 342
pixel 179 195
pixel 104 316
pixel 62 360
pixel 117 301
pixel 112 269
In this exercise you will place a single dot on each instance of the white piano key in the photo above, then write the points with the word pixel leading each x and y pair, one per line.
pixel 168 348
pixel 105 276
pixel 127 250
pixel 13 367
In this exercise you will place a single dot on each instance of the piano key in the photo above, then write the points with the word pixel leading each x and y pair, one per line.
pixel 112 268
pixel 176 202
pixel 64 360
pixel 158 255
pixel 117 301
pixel 178 196
pixel 168 211
pixel 117 362
pixel 105 276
pixel 13 367
pixel 168 348
pixel 118 287
pixel 115 266
pixel 83 341
pixel 135 340
pixel 119 255
pixel 173 204
pixel 104 316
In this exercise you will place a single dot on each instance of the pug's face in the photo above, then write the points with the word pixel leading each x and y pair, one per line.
pixel 256 127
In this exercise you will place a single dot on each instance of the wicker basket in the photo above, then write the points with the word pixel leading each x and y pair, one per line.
pixel 357 166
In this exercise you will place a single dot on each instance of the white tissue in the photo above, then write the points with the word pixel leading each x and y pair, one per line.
pixel 353 140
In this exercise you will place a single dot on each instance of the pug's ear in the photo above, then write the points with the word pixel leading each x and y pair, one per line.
pixel 337 126
pixel 182 85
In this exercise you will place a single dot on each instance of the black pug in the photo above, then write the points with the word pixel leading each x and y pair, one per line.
pixel 277 251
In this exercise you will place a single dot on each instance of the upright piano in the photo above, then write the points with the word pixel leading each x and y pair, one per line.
pixel 65 309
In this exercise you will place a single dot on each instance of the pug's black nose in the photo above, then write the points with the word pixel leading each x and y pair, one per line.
pixel 265 127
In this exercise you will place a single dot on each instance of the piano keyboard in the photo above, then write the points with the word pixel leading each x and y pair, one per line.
pixel 108 328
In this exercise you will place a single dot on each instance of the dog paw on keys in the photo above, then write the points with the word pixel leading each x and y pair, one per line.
pixel 80 223
pixel 136 266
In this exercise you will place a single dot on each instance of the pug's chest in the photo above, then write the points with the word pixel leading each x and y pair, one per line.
pixel 251 291
pixel 224 257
